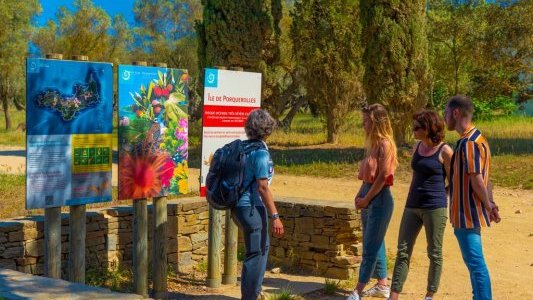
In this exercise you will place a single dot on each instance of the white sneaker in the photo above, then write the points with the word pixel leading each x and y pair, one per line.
pixel 428 298
pixel 354 296
pixel 377 291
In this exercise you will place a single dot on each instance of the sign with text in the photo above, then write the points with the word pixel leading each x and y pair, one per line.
pixel 69 121
pixel 229 96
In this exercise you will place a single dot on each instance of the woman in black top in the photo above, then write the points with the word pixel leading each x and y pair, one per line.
pixel 426 203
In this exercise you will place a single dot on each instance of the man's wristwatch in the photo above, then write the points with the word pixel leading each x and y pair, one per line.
pixel 274 216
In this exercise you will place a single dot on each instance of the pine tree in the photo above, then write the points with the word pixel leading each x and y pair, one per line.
pixel 326 38
pixel 396 59
pixel 234 33
pixel 241 33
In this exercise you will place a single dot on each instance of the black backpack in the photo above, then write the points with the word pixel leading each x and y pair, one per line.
pixel 226 173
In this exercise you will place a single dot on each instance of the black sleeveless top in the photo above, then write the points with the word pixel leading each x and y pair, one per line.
pixel 427 188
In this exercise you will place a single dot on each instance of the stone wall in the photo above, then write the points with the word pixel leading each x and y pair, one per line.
pixel 109 238
pixel 322 237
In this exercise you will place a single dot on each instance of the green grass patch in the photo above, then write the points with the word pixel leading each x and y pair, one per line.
pixel 14 136
pixel 301 151
pixel 506 135
pixel 13 191
pixel 331 286
pixel 13 198
pixel 515 171
pixel 17 137
pixel 115 278
pixel 285 293
pixel 307 130
pixel 201 266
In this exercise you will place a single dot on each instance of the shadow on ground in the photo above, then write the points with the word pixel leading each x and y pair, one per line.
pixel 299 156
pixel 182 296
pixel 17 153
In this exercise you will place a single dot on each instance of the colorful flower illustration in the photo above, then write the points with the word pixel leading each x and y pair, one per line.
pixel 155 120
pixel 141 175
pixel 168 172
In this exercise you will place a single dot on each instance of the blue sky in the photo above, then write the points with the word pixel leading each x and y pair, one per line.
pixel 112 7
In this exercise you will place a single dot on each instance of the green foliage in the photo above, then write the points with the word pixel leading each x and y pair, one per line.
pixel 396 59
pixel 501 105
pixel 454 32
pixel 241 253
pixel 201 266
pixel 504 64
pixel 165 34
pixel 244 34
pixel 283 294
pixel 439 96
pixel 481 49
pixel 15 31
pixel 87 30
pixel 326 43
pixel 331 286
pixel 115 277
pixel 234 33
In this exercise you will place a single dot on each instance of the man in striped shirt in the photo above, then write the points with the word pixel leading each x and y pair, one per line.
pixel 471 203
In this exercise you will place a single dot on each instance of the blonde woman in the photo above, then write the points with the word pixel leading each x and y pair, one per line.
pixel 375 200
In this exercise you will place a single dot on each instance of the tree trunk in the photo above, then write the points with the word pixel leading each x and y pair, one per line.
pixel 287 121
pixel 332 127
pixel 455 68
pixel 400 128
pixel 5 106
pixel 18 105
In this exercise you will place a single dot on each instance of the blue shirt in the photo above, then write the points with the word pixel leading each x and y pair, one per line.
pixel 258 165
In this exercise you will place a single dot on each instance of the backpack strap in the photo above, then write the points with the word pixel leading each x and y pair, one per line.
pixel 253 145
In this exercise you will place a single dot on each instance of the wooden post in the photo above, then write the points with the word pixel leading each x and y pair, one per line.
pixel 159 242
pixel 159 259
pixel 140 239
pixel 52 242
pixel 52 228
pixel 213 248
pixel 231 242
pixel 140 247
pixel 214 243
pixel 77 231
pixel 230 251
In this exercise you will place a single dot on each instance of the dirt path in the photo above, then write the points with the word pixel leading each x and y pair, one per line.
pixel 508 246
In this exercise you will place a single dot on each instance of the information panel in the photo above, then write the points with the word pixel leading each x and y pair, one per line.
pixel 229 97
pixel 153 132
pixel 69 121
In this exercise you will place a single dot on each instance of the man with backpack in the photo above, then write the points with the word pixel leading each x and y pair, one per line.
pixel 239 179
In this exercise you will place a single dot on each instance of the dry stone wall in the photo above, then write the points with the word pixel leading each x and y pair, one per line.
pixel 321 237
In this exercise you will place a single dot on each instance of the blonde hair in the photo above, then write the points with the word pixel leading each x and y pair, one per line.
pixel 381 129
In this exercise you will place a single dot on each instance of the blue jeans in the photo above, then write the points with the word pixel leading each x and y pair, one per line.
pixel 472 251
pixel 254 225
pixel 375 220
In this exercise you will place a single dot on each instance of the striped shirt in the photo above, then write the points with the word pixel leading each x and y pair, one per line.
pixel 471 156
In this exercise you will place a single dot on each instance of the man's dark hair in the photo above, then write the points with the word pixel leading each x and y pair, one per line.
pixel 463 103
